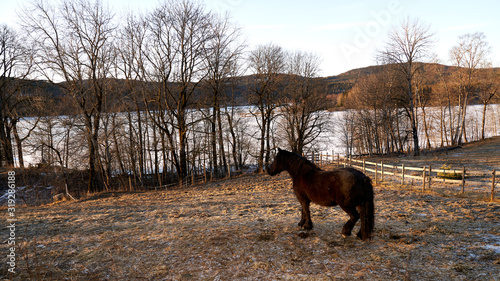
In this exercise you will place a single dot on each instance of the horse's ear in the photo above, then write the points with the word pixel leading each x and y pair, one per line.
pixel 279 150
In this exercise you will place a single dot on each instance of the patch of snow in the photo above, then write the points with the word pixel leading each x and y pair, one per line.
pixel 495 248
pixel 490 238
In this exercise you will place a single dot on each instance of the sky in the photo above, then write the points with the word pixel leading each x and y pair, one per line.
pixel 344 34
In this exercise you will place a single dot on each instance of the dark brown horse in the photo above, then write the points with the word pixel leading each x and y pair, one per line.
pixel 349 188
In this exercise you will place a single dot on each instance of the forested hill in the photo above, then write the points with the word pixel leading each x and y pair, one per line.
pixel 333 87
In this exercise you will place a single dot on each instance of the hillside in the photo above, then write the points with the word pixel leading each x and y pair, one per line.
pixel 239 87
pixel 245 228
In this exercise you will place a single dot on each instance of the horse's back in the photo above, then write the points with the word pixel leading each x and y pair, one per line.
pixel 352 185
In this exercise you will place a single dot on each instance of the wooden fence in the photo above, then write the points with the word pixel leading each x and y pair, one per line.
pixel 202 175
pixel 427 176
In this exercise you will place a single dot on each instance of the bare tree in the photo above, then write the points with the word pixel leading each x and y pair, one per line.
pixel 469 54
pixel 488 90
pixel 75 45
pixel 407 47
pixel 302 122
pixel 131 64
pixel 423 93
pixel 180 32
pixel 222 62
pixel 15 65
pixel 267 63
pixel 374 114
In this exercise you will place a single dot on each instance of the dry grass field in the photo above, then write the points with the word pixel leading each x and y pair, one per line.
pixel 480 155
pixel 245 229
pixel 478 158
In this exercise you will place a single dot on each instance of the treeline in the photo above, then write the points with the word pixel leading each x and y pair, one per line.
pixel 150 95
pixel 389 110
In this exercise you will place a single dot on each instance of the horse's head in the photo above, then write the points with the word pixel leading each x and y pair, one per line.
pixel 278 164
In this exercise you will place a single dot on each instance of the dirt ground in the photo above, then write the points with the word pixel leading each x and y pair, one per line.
pixel 246 229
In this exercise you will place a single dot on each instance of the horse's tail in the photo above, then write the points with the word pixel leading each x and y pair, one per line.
pixel 367 212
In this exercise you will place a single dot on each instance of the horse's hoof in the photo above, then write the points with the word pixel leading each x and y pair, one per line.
pixel 345 235
pixel 301 223
pixel 308 226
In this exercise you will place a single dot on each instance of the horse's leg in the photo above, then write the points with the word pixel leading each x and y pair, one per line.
pixel 302 217
pixel 306 222
pixel 349 225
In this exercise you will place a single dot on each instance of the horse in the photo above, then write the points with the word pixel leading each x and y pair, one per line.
pixel 349 188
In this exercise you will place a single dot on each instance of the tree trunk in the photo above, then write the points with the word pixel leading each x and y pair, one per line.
pixel 6 141
pixel 260 161
pixel 182 172
pixel 18 144
pixel 413 120
pixel 426 128
pixel 462 121
pixel 483 121
pixel 221 139
pixel 213 140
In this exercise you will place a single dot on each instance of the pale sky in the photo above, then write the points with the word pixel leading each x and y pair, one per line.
pixel 345 34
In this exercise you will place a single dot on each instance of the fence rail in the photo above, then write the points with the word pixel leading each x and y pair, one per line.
pixel 402 173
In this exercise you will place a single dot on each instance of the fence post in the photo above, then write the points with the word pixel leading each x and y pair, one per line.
pixel 403 174
pixel 463 179
pixel 430 176
pixel 423 179
pixel 364 169
pixel 376 173
pixel 382 170
pixel 493 186
pixel 395 171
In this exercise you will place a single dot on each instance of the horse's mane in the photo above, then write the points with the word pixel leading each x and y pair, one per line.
pixel 298 163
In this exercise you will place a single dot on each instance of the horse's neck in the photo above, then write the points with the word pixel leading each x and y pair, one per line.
pixel 298 167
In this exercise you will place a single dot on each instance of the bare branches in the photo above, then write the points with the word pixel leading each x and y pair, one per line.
pixel 407 47
pixel 266 62
pixel 75 44
pixel 302 122
pixel 16 61
pixel 471 52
